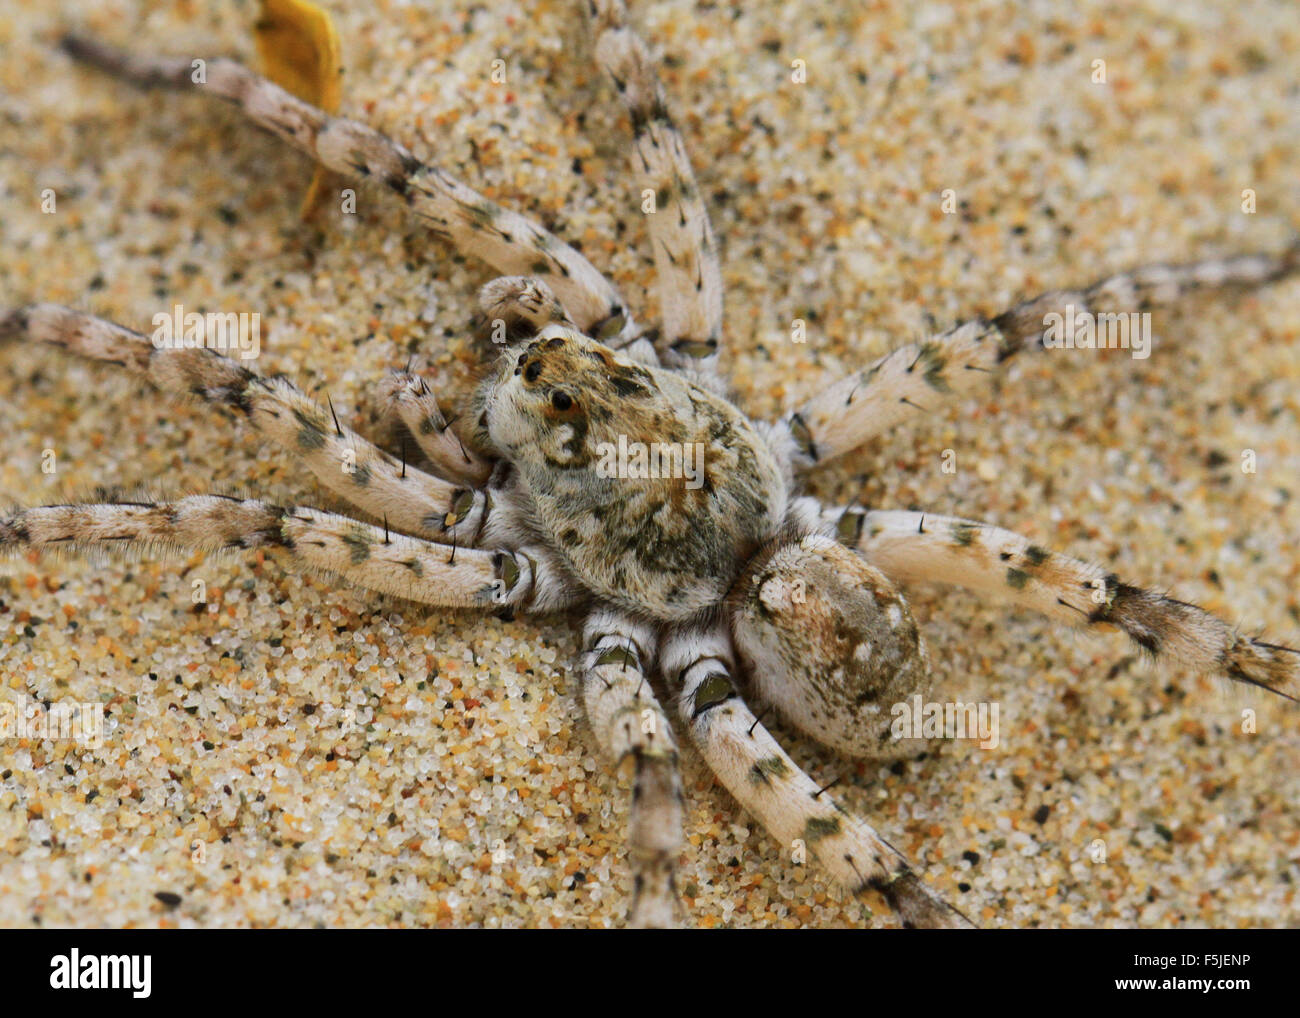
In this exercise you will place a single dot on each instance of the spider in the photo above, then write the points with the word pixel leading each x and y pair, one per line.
pixel 736 585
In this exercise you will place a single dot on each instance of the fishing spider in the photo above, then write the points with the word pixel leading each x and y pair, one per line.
pixel 695 563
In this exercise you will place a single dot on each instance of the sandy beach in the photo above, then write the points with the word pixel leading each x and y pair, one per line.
pixel 294 753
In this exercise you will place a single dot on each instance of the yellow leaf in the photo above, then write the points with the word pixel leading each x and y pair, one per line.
pixel 300 53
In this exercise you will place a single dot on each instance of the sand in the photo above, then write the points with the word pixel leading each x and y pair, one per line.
pixel 293 754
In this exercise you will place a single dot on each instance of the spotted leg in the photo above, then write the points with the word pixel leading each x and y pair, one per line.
pixel 917 377
pixel 685 250
pixel 630 727
pixel 412 400
pixel 509 242
pixel 911 546
pixel 369 478
pixel 367 556
pixel 769 785
pixel 517 308
pixel 513 309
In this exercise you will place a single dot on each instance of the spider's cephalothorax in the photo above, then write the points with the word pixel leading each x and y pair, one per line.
pixel 602 471
pixel 662 529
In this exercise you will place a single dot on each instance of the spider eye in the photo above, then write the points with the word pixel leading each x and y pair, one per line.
pixel 532 371
pixel 561 400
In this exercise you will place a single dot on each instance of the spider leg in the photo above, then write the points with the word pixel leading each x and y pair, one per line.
pixel 367 556
pixel 415 405
pixel 911 546
pixel 629 725
pixel 509 242
pixel 917 377
pixel 516 308
pixel 343 461
pixel 685 250
pixel 752 766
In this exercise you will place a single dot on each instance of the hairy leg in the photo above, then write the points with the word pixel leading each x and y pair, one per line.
pixel 366 556
pixel 509 242
pixel 517 308
pixel 629 725
pixel 913 547
pixel 768 784
pixel 917 377
pixel 685 250
pixel 415 405
pixel 343 461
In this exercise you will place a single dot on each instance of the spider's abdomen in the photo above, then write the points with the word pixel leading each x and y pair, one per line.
pixel 830 643
pixel 654 491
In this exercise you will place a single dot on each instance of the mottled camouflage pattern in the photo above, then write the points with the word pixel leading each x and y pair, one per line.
pixel 654 546
pixel 830 643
